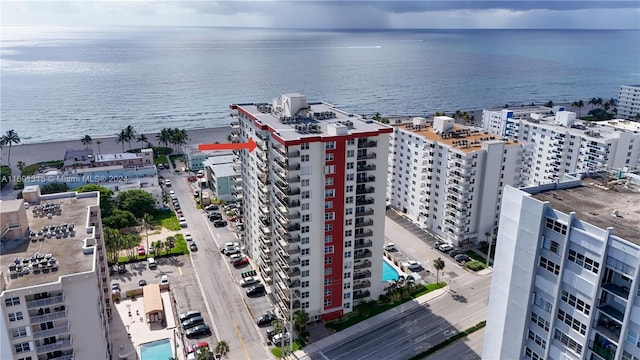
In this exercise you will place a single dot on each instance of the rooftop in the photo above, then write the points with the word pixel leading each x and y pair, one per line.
pixel 314 124
pixel 66 250
pixel 588 129
pixel 119 156
pixel 621 124
pixel 217 160
pixel 223 170
pixel 524 109
pixel 597 201
pixel 464 138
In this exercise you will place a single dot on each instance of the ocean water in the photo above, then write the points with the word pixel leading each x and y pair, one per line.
pixel 60 83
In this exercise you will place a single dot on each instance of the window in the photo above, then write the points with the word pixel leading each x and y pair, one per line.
pixel 305 194
pixel 348 222
pixel 304 206
pixel 304 182
pixel 632 337
pixel 328 227
pixel 18 332
pixel 351 153
pixel 350 165
pixel 349 200
pixel 575 302
pixel 584 261
pixel 304 284
pixel 346 285
pixel 305 294
pixel 541 303
pixel 327 292
pixel 304 229
pixel 330 145
pixel 537 339
pixel 16 316
pixel 329 193
pixel 22 347
pixel 304 251
pixel 329 216
pixel 328 157
pixel 549 265
pixel 304 157
pixel 305 305
pixel 351 142
pixel 305 262
pixel 328 238
pixel 305 273
pixel 572 322
pixel 530 354
pixel 349 188
pixel 328 249
pixel 304 146
pixel 556 226
pixel 538 320
pixel 348 233
pixel 568 342
pixel 328 281
pixel 306 218
pixel 304 240
pixel 350 177
pixel 327 302
pixel 550 245
pixel 330 169
pixel 347 254
pixel 328 181
pixel 348 243
pixel 12 301
pixel 328 260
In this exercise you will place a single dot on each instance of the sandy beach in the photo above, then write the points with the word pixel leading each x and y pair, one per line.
pixel 34 153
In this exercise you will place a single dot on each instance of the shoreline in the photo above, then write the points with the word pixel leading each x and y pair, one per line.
pixel 38 152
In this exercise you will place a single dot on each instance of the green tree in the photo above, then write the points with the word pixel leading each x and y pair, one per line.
pixel 300 319
pixel 438 264
pixel 53 188
pixel 112 242
pixel 169 244
pixel 578 104
pixel 142 138
pixel 9 138
pixel 21 165
pixel 119 219
pixel 205 354
pixel 222 347
pixel 106 197
pixel 121 138
pixel 86 141
pixel 549 104
pixel 138 202
pixel 129 134
pixel 5 174
pixel 145 221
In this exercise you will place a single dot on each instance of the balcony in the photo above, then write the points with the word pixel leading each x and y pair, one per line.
pixel 362 275
pixel 369 167
pixel 51 332
pixel 608 327
pixel 36 319
pixel 264 179
pixel 362 285
pixel 606 352
pixel 362 244
pixel 363 234
pixel 45 302
pixel 362 265
pixel 58 345
pixel 364 223
pixel 364 212
pixel 370 155
pixel 361 294
pixel 367 143
pixel 365 201
pixel 609 308
pixel 295 215
pixel 365 190
pixel 365 179
pixel 615 289
pixel 363 254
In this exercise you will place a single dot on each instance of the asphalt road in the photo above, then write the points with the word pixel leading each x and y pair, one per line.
pixel 468 348
pixel 231 320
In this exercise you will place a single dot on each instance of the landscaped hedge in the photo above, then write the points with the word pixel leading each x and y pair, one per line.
pixel 474 265
pixel 450 340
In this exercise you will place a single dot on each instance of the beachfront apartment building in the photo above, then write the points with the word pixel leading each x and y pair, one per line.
pixel 449 178
pixel 629 102
pixel 495 120
pixel 222 174
pixel 84 158
pixel 314 203
pixel 560 144
pixel 566 278
pixel 54 281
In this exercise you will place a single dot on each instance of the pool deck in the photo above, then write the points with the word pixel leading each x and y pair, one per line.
pixel 397 269
pixel 129 319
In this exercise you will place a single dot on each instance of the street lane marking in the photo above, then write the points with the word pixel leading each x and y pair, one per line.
pixel 244 347
pixel 180 270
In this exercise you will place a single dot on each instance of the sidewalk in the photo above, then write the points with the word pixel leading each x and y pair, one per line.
pixel 367 325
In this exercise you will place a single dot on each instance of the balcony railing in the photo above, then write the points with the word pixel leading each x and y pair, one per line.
pixel 363 234
pixel 363 244
pixel 364 202
pixel 367 144
pixel 364 212
pixel 365 190
pixel 362 275
pixel 362 285
pixel 370 155
pixel 58 345
pixel 44 302
pixel 51 332
pixel 365 179
pixel 362 255
pixel 361 294
pixel 365 264
pixel 364 223
pixel 603 351
pixel 369 167
pixel 621 291
pixel 48 317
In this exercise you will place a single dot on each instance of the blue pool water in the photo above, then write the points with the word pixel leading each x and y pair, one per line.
pixel 156 350
pixel 388 272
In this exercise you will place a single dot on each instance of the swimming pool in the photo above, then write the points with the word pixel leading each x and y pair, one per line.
pixel 156 350
pixel 388 272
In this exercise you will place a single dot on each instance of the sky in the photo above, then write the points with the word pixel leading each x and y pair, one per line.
pixel 306 14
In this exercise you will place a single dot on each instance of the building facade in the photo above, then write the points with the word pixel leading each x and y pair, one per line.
pixel 314 203
pixel 559 144
pixel 495 120
pixel 222 174
pixel 55 287
pixel 566 277
pixel 449 178
pixel 629 102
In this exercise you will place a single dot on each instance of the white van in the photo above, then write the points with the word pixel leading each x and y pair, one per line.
pixel 152 263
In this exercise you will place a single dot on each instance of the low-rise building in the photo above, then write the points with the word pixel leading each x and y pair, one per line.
pixel 54 281
pixel 222 176
pixel 629 102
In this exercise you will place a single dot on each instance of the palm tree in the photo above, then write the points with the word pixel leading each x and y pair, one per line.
pixel 21 165
pixel 164 136
pixel 549 104
pixel 205 354
pixel 142 138
pixel 145 220
pixel 222 347
pixel 121 139
pixel 130 134
pixel 98 142
pixel 9 138
pixel 300 319
pixel 86 141
pixel 438 264
pixel 579 104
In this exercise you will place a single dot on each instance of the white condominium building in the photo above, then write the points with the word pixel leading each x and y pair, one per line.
pixel 495 120
pixel 54 278
pixel 314 202
pixel 561 145
pixel 449 178
pixel 566 277
pixel 629 101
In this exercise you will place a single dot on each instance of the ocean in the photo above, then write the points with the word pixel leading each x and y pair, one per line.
pixel 61 83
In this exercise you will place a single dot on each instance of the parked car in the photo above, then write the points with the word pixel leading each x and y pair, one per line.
pixel 232 251
pixel 196 347
pixel 453 253
pixel 235 257
pixel 211 207
pixel 390 246
pixel 241 262
pixel 248 281
pixel 164 279
pixel 182 221
pixel 279 338
pixel 413 265
pixel 167 183
pixel 141 250
pixel 255 290
pixel 191 322
pixel 438 243
pixel 193 247
pixel 215 217
pixel 198 331
pixel 152 250
pixel 115 287
pixel 188 237
pixel 235 218
pixel 461 258
pixel 265 319
pixel 229 246
pixel 445 247
pixel 271 332
pixel 122 269
pixel 142 283
pixel 220 223
pixel 188 315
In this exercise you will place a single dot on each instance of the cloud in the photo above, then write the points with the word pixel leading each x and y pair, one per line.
pixel 330 14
